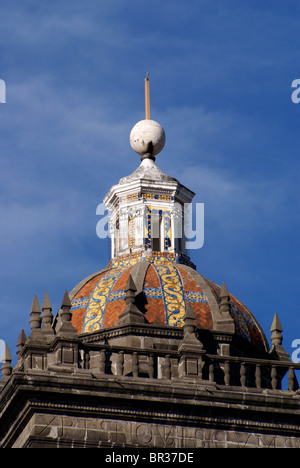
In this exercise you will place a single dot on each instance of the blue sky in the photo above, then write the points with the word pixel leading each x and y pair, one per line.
pixel 220 77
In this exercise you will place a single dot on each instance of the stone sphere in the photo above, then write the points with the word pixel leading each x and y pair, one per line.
pixel 143 133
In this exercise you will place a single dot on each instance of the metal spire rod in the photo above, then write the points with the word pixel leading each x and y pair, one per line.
pixel 147 98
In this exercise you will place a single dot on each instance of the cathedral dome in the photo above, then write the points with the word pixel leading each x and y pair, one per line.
pixel 164 290
pixel 148 218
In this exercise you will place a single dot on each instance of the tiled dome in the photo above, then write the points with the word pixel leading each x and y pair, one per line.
pixel 163 292
pixel 149 243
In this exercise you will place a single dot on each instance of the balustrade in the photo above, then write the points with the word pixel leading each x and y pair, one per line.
pixel 225 371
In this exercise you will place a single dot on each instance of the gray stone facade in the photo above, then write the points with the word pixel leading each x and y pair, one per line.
pixel 128 379
pixel 106 389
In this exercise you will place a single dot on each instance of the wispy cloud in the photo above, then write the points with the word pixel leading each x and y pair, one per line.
pixel 220 86
pixel 238 209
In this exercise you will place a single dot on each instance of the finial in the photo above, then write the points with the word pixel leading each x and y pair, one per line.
pixel 276 329
pixel 130 291
pixel 6 368
pixel 147 97
pixel 22 339
pixel 190 345
pixel 6 355
pixel 46 304
pixel 224 305
pixel 65 316
pixel 65 308
pixel 189 319
pixel 131 314
pixel 147 137
pixel 276 339
pixel 47 317
pixel 225 322
pixel 21 342
pixel 35 321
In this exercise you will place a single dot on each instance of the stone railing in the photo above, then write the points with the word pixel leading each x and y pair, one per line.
pixel 72 355
pixel 59 349
pixel 211 369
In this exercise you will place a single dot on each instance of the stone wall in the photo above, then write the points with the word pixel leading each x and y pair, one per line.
pixel 50 430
